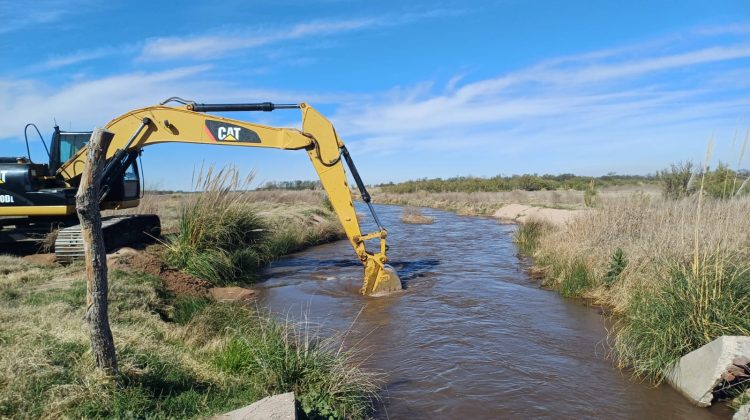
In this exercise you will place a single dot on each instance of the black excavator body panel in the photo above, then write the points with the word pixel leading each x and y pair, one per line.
pixel 23 183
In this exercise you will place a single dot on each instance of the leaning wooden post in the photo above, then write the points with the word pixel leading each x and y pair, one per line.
pixel 87 206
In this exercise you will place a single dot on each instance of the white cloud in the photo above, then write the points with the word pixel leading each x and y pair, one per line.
pixel 19 15
pixel 582 101
pixel 77 57
pixel 88 103
pixel 202 47
pixel 212 46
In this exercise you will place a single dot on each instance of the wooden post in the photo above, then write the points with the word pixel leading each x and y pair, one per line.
pixel 87 206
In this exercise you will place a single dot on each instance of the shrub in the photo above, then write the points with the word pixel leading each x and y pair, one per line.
pixel 589 195
pixel 616 266
pixel 676 180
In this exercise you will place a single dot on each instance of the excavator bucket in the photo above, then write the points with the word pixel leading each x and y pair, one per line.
pixel 380 279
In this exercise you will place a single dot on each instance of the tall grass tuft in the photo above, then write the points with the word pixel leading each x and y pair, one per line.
pixel 226 233
pixel 527 235
pixel 690 308
pixel 284 356
pixel 220 234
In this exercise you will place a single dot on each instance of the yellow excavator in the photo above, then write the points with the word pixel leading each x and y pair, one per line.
pixel 34 197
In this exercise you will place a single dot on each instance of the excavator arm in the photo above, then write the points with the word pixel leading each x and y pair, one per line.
pixel 190 124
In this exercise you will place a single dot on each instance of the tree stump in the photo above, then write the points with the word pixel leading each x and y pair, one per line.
pixel 87 207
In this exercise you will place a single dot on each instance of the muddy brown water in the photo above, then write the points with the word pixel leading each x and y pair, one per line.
pixel 472 336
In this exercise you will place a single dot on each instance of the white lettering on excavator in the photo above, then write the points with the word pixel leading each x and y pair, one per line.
pixel 2 176
pixel 6 199
pixel 229 133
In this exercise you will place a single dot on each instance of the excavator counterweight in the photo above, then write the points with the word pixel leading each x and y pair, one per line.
pixel 30 191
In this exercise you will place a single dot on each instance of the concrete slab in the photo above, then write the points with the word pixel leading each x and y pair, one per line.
pixel 743 413
pixel 276 407
pixel 698 372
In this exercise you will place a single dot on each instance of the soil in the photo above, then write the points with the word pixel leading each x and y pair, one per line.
pixel 231 294
pixel 177 282
pixel 42 259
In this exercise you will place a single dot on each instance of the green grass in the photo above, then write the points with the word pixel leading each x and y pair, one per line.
pixel 691 308
pixel 527 236
pixel 575 279
pixel 178 357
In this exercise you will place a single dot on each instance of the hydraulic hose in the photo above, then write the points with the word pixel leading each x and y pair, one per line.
pixel 262 106
pixel 360 185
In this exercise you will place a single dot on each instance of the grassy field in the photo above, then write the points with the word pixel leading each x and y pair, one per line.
pixel 179 356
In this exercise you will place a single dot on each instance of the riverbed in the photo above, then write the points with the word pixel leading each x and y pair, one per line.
pixel 472 335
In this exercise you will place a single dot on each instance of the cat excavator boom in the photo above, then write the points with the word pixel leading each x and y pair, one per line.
pixel 46 192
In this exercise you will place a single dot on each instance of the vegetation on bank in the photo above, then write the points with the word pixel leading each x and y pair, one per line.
pixel 179 357
pixel 525 182
pixel 296 185
pixel 675 272
pixel 678 181
pixel 683 180
pixel 224 236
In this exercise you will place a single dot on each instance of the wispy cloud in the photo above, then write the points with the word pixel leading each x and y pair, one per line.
pixel 202 47
pixel 94 102
pixel 617 94
pixel 37 13
pixel 78 57
pixel 212 46
pixel 89 103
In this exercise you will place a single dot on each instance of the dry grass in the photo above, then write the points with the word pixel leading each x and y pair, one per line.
pixel 276 202
pixel 676 273
pixel 413 215
pixel 649 231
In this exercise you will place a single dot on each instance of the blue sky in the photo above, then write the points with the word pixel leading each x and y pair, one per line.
pixel 416 89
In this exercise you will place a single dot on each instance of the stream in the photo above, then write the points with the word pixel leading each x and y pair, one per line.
pixel 472 336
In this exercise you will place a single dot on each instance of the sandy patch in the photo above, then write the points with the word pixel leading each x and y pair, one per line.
pixel 521 213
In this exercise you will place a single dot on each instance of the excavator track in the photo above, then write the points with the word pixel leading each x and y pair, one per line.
pixel 118 231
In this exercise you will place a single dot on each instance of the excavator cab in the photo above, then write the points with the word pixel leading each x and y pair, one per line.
pixel 27 185
pixel 121 193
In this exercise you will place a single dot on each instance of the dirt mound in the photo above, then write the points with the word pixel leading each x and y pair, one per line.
pixel 177 282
